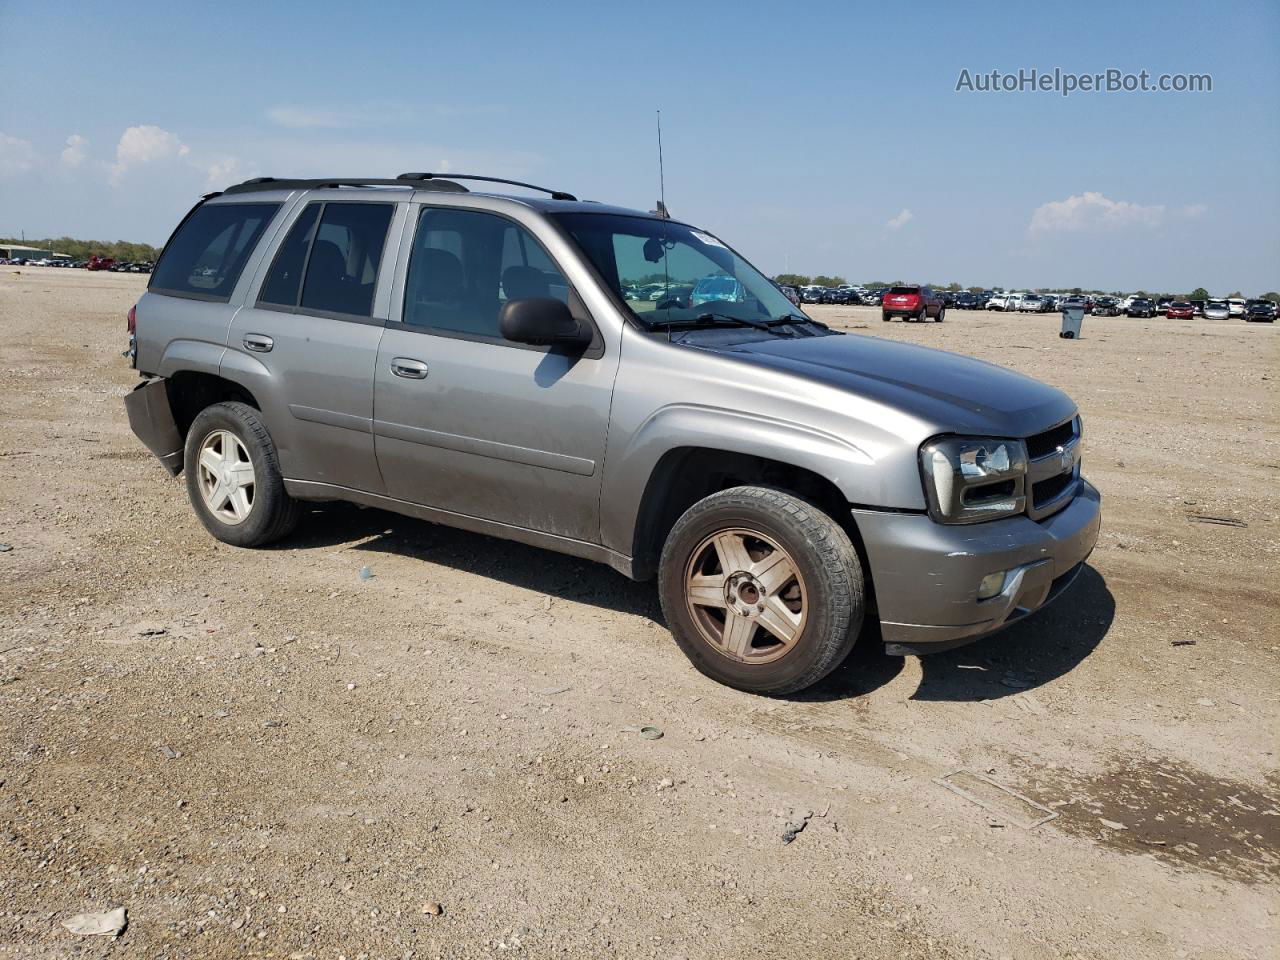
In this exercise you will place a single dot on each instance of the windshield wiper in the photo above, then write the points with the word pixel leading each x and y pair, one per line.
pixel 797 318
pixel 718 320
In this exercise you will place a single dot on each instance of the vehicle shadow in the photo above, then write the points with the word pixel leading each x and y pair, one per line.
pixel 542 571
pixel 1029 654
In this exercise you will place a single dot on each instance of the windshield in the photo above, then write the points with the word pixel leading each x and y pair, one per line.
pixel 670 272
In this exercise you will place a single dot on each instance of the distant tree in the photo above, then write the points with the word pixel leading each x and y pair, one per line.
pixel 1235 296
pixel 825 281
pixel 792 279
pixel 1272 296
pixel 83 249
pixel 1199 293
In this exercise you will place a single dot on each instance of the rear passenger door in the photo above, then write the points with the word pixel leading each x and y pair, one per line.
pixel 310 338
pixel 474 424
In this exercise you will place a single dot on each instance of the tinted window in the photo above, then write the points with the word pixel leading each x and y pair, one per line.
pixel 343 264
pixel 465 265
pixel 902 290
pixel 285 279
pixel 205 257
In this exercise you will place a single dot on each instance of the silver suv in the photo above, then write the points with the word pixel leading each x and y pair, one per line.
pixel 500 363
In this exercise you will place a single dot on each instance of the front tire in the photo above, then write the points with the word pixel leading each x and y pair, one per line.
pixel 233 477
pixel 761 589
pixel 942 312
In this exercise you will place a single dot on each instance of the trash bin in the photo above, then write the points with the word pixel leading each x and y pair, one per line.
pixel 1072 318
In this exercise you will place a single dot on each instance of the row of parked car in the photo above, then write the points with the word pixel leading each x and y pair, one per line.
pixel 93 263
pixel 1132 306
pixel 1259 311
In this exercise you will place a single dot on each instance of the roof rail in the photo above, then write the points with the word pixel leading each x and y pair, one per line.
pixel 258 184
pixel 555 194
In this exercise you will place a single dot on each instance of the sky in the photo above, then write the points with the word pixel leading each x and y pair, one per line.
pixel 813 137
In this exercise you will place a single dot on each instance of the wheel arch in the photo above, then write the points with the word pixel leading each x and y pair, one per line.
pixel 685 475
pixel 190 391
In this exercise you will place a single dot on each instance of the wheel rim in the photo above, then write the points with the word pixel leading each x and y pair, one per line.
pixel 746 596
pixel 227 480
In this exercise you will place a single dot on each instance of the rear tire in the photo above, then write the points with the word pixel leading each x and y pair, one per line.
pixel 761 590
pixel 233 477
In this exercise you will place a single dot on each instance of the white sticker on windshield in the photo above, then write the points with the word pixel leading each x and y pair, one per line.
pixel 706 238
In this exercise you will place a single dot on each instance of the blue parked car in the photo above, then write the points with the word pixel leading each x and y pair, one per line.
pixel 718 287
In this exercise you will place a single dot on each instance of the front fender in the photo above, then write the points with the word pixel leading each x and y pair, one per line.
pixel 628 469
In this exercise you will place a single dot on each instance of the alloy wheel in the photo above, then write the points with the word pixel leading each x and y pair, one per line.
pixel 227 478
pixel 746 596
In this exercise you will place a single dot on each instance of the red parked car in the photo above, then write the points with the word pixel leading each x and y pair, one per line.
pixel 100 263
pixel 912 303
pixel 1181 310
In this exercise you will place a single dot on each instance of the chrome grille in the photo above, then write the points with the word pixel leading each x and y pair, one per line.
pixel 1053 473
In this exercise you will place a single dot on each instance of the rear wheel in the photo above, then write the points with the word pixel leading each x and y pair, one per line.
pixel 762 590
pixel 233 477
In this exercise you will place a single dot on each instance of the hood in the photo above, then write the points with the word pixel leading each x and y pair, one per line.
pixel 952 393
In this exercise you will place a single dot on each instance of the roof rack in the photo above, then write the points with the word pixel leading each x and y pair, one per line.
pixel 418 181
pixel 271 183
pixel 555 194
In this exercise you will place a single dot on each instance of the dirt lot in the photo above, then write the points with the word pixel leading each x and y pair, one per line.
pixel 265 754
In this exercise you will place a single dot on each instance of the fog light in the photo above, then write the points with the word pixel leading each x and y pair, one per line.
pixel 991 585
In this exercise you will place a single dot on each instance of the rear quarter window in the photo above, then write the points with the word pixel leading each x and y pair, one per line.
pixel 206 255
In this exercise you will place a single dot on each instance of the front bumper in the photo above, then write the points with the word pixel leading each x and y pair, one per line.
pixel 926 574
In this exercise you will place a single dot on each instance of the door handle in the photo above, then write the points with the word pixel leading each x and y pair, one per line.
pixel 409 368
pixel 258 343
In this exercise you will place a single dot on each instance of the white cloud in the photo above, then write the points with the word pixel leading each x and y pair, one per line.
pixel 223 172
pixel 1091 211
pixel 901 220
pixel 17 156
pixel 142 145
pixel 73 154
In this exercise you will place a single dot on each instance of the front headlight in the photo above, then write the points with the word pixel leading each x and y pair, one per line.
pixel 969 479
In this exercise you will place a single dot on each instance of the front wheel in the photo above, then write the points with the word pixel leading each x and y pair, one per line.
pixel 233 477
pixel 942 312
pixel 761 589
pixel 884 317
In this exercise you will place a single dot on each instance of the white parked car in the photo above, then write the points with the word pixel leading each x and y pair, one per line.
pixel 1236 306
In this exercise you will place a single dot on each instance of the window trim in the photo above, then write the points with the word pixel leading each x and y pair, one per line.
pixel 297 308
pixel 252 248
pixel 577 305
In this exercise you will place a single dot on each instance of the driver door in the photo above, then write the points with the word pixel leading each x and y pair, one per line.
pixel 468 422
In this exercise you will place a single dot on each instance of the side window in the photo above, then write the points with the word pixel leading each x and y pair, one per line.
pixel 465 265
pixel 342 266
pixel 285 279
pixel 205 257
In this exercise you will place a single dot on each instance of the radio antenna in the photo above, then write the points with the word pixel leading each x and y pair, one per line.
pixel 662 179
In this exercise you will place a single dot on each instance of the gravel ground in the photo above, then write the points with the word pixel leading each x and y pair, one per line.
pixel 260 753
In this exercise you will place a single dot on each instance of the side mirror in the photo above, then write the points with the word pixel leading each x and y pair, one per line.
pixel 542 321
